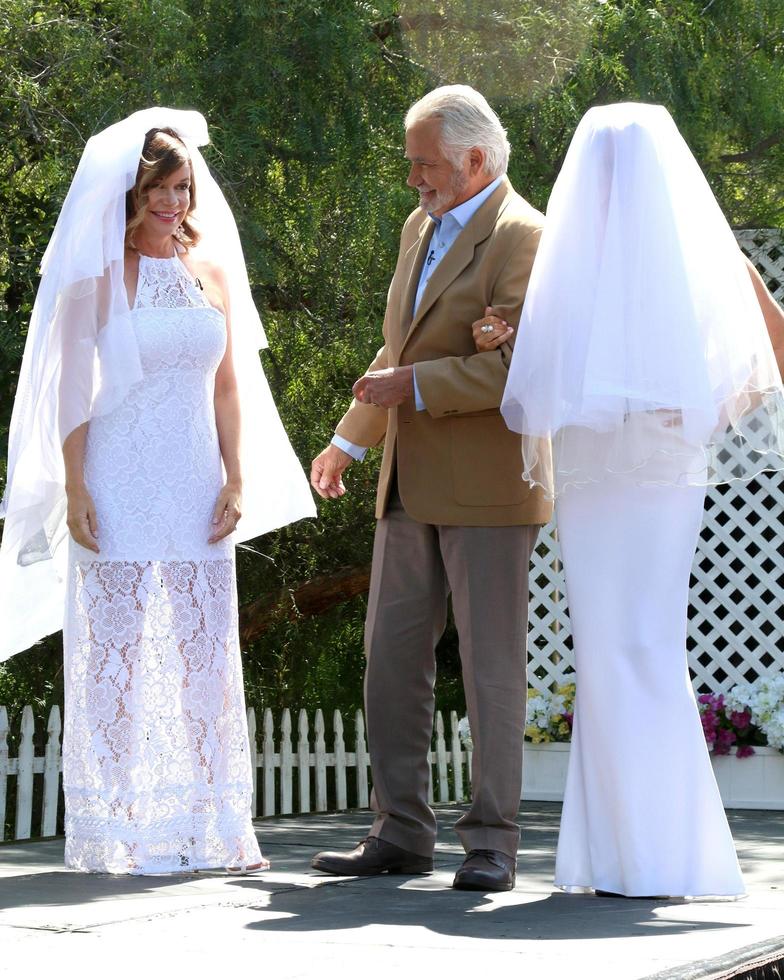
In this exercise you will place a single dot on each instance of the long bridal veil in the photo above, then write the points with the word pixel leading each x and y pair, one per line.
pixel 81 358
pixel 641 348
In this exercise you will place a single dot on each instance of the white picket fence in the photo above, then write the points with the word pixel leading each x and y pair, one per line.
pixel 324 779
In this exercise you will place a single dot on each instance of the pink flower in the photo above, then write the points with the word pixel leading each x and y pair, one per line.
pixel 709 725
pixel 724 741
pixel 740 719
pixel 722 728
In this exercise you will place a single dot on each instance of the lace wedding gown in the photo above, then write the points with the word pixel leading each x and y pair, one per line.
pixel 155 751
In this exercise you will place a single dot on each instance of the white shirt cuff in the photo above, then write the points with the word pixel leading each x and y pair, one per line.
pixel 418 400
pixel 358 452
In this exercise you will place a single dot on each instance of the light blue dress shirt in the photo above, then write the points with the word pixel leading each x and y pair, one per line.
pixel 448 227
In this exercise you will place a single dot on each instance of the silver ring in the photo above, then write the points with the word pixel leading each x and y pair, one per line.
pixel 487 328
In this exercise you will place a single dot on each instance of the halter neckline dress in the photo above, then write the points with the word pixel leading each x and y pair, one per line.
pixel 156 761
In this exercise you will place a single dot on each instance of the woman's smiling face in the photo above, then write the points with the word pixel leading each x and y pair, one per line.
pixel 168 202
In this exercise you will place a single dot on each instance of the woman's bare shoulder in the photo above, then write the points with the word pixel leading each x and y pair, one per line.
pixel 131 259
pixel 212 277
pixel 205 268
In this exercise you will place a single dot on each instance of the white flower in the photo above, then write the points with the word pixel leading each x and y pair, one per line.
pixel 764 698
pixel 739 698
pixel 544 709
pixel 557 704
pixel 774 731
pixel 538 712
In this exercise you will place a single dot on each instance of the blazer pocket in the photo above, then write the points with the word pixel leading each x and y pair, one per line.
pixel 486 462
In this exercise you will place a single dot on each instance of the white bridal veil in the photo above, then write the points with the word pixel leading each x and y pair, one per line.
pixel 641 348
pixel 81 357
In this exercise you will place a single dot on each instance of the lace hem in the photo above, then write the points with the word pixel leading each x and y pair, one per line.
pixel 185 844
pixel 156 761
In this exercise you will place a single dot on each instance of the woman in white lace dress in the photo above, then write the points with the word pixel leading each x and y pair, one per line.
pixel 155 752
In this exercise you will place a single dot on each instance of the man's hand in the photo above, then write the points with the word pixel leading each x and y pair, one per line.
pixel 326 471
pixel 386 388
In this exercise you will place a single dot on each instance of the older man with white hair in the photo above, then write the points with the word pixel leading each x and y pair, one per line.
pixel 453 514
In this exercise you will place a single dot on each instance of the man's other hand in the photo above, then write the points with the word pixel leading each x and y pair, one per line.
pixel 326 471
pixel 386 388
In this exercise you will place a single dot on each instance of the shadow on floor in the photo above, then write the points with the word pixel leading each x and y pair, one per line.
pixel 431 904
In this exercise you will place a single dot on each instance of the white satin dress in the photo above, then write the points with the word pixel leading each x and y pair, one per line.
pixel 156 758
pixel 642 814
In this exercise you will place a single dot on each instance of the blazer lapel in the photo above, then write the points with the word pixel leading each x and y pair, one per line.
pixel 414 260
pixel 458 257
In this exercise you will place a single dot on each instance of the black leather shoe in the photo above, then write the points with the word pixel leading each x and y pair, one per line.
pixel 640 898
pixel 372 856
pixel 486 871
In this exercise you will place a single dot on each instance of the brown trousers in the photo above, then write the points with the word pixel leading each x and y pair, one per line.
pixel 415 567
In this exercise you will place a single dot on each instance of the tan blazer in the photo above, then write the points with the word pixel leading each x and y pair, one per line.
pixel 457 463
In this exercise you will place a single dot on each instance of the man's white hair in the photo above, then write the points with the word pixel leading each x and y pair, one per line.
pixel 466 121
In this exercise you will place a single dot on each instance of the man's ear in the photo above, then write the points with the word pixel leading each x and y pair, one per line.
pixel 476 161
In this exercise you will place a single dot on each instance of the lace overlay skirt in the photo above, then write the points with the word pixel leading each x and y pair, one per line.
pixel 155 752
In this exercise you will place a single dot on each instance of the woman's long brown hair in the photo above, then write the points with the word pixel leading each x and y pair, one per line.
pixel 163 153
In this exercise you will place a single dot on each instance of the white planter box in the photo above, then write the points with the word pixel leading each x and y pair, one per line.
pixel 756 783
pixel 544 770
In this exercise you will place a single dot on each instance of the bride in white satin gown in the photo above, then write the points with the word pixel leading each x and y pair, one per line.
pixel 642 346
pixel 143 353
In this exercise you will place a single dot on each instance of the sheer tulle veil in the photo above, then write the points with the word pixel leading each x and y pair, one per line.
pixel 641 348
pixel 81 357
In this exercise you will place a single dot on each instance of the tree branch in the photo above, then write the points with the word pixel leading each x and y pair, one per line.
pixel 756 151
pixel 308 599
pixel 384 29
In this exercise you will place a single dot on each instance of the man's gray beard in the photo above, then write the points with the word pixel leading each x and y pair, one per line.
pixel 443 201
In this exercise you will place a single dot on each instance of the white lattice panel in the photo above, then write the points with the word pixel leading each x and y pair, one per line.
pixel 765 248
pixel 549 634
pixel 737 589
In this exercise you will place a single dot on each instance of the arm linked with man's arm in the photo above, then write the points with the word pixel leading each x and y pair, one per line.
pixel 475 383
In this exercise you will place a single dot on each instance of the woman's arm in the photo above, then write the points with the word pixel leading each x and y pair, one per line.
pixel 78 317
pixel 771 311
pixel 81 518
pixel 227 419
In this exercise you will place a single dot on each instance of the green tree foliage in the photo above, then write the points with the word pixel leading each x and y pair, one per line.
pixel 305 100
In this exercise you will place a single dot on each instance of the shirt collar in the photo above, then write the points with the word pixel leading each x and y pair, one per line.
pixel 463 213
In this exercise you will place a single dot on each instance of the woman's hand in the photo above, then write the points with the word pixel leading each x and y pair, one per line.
pixel 489 339
pixel 227 512
pixel 81 518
